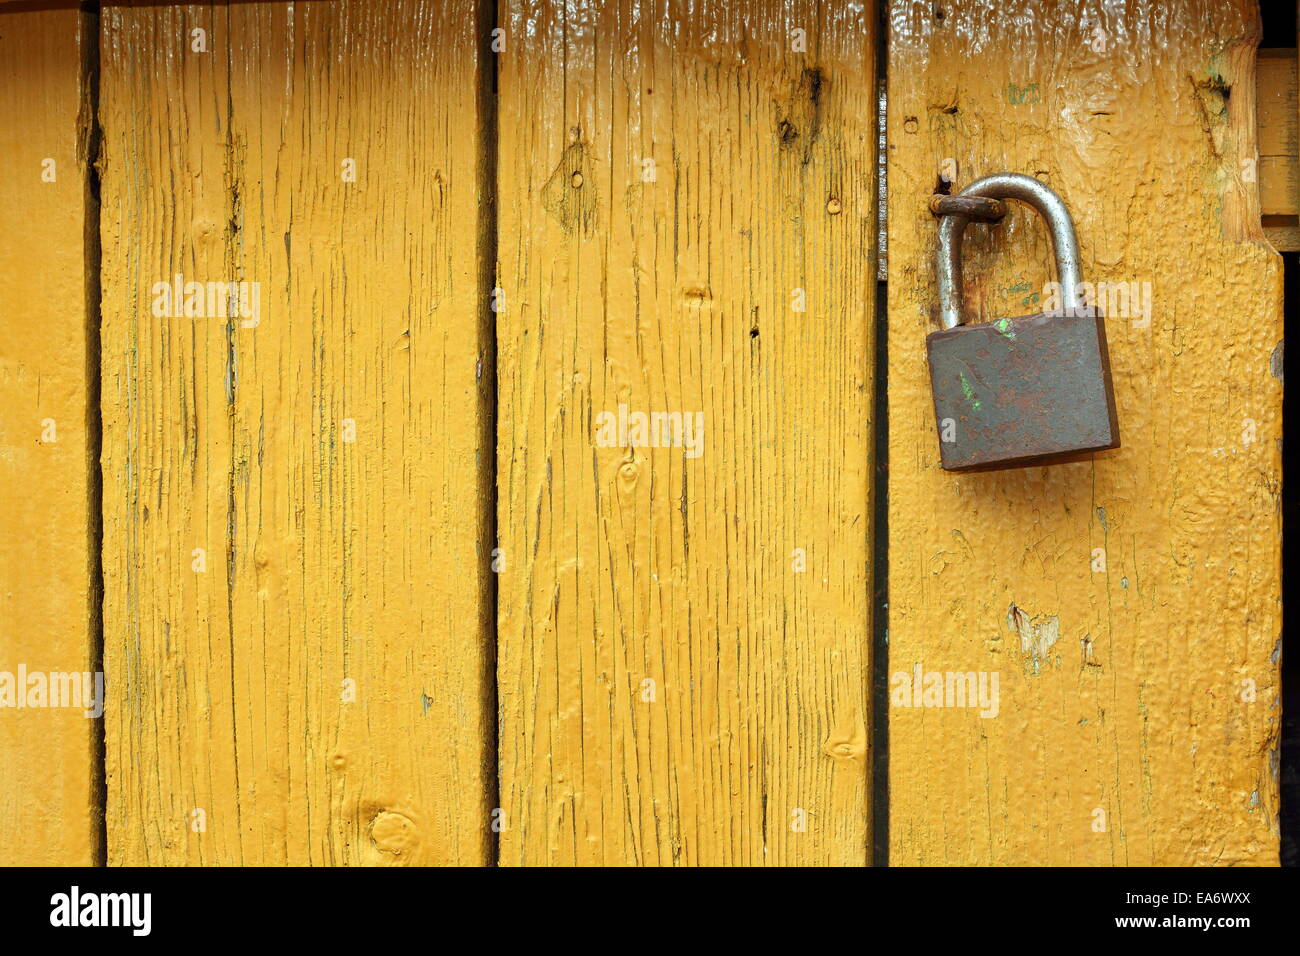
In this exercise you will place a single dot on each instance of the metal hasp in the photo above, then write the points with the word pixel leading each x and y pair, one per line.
pixel 1019 391
pixel 972 207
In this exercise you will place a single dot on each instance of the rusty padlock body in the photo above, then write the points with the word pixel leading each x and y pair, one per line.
pixel 1019 391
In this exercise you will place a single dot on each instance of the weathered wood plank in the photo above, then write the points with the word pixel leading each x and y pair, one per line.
pixel 49 588
pixel 1279 134
pixel 672 689
pixel 1279 148
pixel 1131 604
pixel 328 448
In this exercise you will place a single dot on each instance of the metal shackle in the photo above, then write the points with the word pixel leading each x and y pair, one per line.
pixel 1031 192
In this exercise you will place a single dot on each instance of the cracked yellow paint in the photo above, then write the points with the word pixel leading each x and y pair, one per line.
pixel 672 689
pixel 296 500
pixel 299 608
pixel 1156 743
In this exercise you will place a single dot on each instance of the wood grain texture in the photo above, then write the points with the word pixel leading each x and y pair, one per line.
pixel 1121 690
pixel 635 564
pixel 328 560
pixel 49 590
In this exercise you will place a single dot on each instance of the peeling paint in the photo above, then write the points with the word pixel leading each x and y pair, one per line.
pixel 1037 634
pixel 1086 647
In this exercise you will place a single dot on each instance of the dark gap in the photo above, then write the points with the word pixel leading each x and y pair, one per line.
pixel 880 604
pixel 488 63
pixel 89 137
pixel 1278 22
pixel 1279 220
pixel 880 519
pixel 1290 759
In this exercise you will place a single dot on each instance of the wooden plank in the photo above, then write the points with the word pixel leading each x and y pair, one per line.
pixel 1279 139
pixel 49 589
pixel 672 689
pixel 1130 604
pixel 327 449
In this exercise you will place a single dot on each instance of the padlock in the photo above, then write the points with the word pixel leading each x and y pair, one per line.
pixel 1029 390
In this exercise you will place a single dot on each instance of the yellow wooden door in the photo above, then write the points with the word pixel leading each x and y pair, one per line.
pixel 469 414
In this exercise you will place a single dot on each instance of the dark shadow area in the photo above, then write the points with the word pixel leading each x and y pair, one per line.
pixel 1279 32
pixel 878 851
pixel 1290 763
pixel 488 128
pixel 880 603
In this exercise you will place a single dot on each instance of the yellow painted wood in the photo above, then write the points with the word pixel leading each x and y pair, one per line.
pixel 1127 731
pixel 672 690
pixel 328 453
pixel 48 587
